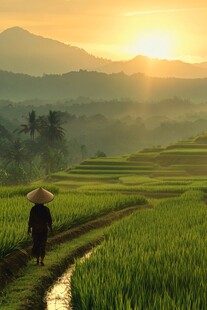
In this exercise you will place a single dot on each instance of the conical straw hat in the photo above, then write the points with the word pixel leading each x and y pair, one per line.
pixel 40 195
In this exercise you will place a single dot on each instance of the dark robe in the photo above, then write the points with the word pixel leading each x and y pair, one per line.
pixel 39 220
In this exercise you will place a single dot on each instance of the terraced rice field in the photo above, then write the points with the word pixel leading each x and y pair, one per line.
pixel 159 253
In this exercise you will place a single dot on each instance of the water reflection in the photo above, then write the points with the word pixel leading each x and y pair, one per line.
pixel 58 296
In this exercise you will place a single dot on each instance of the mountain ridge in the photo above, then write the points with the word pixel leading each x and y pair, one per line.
pixel 36 55
pixel 24 52
pixel 97 86
pixel 157 67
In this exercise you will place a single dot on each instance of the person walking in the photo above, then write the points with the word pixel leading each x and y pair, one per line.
pixel 39 221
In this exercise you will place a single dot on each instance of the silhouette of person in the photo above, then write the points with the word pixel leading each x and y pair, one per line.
pixel 39 221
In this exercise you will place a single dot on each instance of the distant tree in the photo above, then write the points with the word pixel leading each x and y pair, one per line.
pixel 50 128
pixel 100 154
pixel 34 151
pixel 53 159
pixel 15 162
pixel 4 133
pixel 16 153
pixel 5 138
pixel 52 142
pixel 84 151
pixel 32 125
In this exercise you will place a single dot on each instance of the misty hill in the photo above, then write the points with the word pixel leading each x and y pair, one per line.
pixel 96 85
pixel 24 52
pixel 157 68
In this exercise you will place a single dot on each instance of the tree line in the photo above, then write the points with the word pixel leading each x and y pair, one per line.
pixel 43 151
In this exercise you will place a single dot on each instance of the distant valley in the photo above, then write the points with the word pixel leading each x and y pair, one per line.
pixel 142 101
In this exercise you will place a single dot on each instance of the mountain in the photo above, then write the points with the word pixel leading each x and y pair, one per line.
pixel 24 52
pixel 203 65
pixel 156 67
pixel 99 86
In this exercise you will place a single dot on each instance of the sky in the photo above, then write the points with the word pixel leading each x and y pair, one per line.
pixel 116 29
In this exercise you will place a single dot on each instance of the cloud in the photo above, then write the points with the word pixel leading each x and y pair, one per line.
pixel 135 13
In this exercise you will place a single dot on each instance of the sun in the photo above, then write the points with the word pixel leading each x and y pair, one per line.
pixel 154 45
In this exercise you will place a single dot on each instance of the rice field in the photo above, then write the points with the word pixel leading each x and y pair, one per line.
pixel 67 210
pixel 11 191
pixel 147 185
pixel 156 259
pixel 153 260
pixel 186 151
pixel 88 190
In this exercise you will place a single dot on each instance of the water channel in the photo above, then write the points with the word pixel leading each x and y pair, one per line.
pixel 58 296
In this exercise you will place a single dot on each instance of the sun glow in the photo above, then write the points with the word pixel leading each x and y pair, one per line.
pixel 155 45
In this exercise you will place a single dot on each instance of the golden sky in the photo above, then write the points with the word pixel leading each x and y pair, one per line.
pixel 116 29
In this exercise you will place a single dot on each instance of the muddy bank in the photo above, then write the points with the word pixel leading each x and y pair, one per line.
pixel 11 264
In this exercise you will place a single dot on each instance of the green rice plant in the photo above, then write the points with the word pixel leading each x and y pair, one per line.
pixel 138 184
pixel 74 184
pixel 67 210
pixel 91 176
pixel 136 180
pixel 155 259
pixel 10 191
pixel 181 179
pixel 106 160
pixel 188 145
pixel 112 167
pixel 153 188
pixel 61 175
pixel 110 172
pixel 186 151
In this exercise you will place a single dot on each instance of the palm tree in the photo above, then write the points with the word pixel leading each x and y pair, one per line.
pixel 50 127
pixel 53 159
pixel 32 125
pixel 15 161
pixel 16 153
pixel 52 138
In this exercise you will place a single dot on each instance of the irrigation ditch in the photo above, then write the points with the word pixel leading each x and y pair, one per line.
pixel 59 295
pixel 11 264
